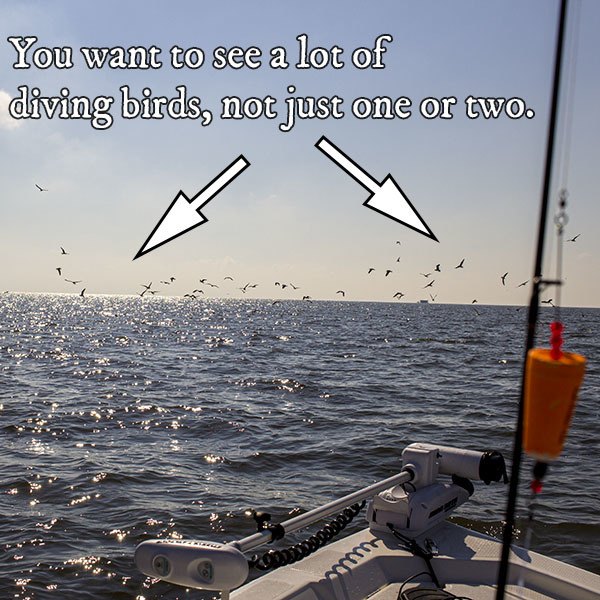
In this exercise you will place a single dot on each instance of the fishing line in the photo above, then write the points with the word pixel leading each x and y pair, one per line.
pixel 556 341
pixel 564 144
pixel 569 99
pixel 536 485
pixel 560 221
pixel 507 530
pixel 551 378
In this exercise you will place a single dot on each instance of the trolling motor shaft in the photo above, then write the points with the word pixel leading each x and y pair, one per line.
pixel 214 566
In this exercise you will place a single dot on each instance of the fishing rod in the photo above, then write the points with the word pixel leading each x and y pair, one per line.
pixel 538 282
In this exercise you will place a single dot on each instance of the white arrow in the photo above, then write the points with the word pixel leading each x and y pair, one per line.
pixel 386 197
pixel 184 213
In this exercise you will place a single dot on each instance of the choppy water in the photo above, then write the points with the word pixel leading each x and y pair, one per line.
pixel 123 419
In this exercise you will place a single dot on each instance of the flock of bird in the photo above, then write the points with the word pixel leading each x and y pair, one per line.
pixel 197 291
pixel 59 270
pixel 147 288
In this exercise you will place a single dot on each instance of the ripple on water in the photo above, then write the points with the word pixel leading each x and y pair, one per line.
pixel 129 420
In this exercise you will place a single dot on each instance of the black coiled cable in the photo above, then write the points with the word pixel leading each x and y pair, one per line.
pixel 286 556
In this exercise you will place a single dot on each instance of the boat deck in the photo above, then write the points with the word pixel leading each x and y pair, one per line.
pixel 479 592
pixel 368 565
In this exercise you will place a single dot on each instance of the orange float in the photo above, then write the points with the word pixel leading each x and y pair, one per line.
pixel 552 381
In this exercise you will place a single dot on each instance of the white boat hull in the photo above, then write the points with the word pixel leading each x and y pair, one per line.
pixel 374 566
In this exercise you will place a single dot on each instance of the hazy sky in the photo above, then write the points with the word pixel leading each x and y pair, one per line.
pixel 293 216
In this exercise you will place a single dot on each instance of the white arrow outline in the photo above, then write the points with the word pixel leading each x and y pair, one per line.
pixel 179 217
pixel 386 197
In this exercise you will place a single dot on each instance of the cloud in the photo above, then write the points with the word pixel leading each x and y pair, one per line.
pixel 6 121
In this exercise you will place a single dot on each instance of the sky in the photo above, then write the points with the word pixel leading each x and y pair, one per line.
pixel 294 216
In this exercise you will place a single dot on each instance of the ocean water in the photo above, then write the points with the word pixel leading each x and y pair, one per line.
pixel 125 418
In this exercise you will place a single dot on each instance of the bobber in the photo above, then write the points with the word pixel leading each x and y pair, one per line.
pixel 552 380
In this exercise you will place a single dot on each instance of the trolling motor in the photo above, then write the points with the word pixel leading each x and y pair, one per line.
pixel 419 504
pixel 411 501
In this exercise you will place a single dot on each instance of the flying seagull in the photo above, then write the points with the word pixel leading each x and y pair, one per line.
pixel 63 251
pixel 388 271
pixel 370 270
pixel 429 284
pixel 342 292
pixel 82 292
pixel 574 238
pixel 548 302
pixel 59 269
pixel 433 297
pixel 294 286
pixel 73 282
pixel 426 274
pixel 437 268
pixel 206 282
pixel 504 278
pixel 146 286
pixel 460 265
pixel 524 283
pixel 40 188
pixel 230 278
pixel 473 301
pixel 398 295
